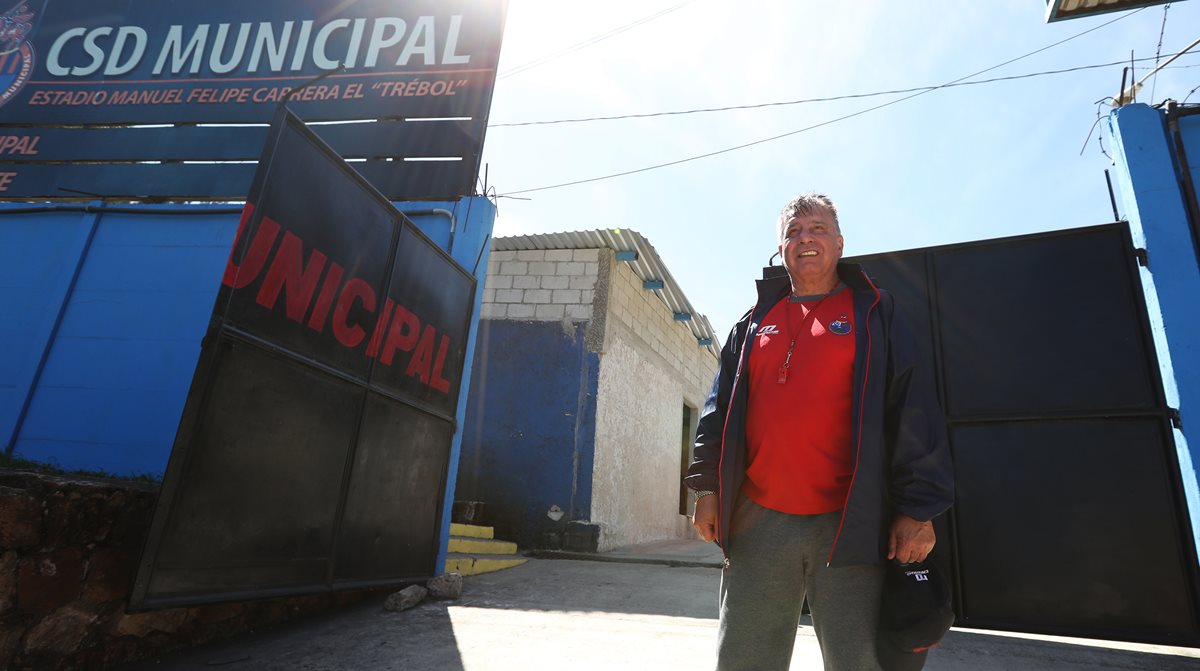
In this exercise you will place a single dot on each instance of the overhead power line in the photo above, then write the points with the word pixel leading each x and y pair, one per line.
pixel 823 123
pixel 1158 52
pixel 851 96
pixel 589 42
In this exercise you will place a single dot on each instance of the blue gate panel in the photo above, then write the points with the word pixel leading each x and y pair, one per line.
pixel 38 256
pixel 114 382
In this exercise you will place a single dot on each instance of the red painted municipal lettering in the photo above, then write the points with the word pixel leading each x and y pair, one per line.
pixel 239 275
pixel 346 333
pixel 329 288
pixel 25 145
pixel 440 383
pixel 381 325
pixel 288 273
pixel 402 335
pixel 346 303
pixel 421 363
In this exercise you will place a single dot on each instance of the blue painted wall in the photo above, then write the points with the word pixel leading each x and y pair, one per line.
pixel 39 258
pixel 1149 177
pixel 136 294
pixel 107 310
pixel 529 436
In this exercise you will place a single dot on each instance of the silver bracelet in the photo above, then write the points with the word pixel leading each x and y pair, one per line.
pixel 701 493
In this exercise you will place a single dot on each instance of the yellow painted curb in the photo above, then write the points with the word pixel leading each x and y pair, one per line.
pixel 481 546
pixel 469 565
pixel 471 531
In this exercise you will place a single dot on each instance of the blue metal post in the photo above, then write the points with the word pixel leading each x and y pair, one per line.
pixel 1154 203
pixel 469 242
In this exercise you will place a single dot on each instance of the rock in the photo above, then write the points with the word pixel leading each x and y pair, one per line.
pixel 132 513
pixel 10 640
pixel 141 624
pixel 8 583
pixel 109 576
pixel 217 612
pixel 20 519
pixel 60 632
pixel 47 581
pixel 446 586
pixel 75 518
pixel 405 598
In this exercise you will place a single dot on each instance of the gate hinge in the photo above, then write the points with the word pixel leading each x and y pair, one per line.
pixel 1176 420
pixel 1143 257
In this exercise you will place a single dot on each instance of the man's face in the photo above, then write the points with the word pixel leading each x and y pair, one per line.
pixel 811 246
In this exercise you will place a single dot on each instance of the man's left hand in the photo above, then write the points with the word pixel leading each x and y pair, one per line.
pixel 910 540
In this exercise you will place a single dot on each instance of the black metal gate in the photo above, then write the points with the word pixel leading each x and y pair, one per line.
pixel 315 440
pixel 1070 517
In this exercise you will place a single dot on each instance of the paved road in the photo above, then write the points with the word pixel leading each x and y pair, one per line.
pixel 585 615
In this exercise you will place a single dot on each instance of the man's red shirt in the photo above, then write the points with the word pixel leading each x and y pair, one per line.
pixel 798 429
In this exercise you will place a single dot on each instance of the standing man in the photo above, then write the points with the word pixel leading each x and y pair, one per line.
pixel 820 455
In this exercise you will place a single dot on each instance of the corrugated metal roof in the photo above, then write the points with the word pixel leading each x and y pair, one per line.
pixel 647 265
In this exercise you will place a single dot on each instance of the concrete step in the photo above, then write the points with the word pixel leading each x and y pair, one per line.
pixel 481 546
pixel 466 564
pixel 471 530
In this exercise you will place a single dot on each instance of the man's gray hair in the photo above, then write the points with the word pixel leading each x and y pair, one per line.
pixel 806 204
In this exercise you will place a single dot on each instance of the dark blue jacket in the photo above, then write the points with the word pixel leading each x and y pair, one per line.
pixel 901 456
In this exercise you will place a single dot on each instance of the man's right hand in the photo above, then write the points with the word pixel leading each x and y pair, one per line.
pixel 706 518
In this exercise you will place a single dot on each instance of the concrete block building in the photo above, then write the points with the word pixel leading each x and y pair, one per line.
pixel 591 369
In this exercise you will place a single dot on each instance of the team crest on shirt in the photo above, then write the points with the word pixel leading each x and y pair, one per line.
pixel 841 326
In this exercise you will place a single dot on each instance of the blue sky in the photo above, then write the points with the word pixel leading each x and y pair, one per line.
pixel 952 165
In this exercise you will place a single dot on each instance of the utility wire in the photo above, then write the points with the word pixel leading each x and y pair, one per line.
pixel 1189 95
pixel 823 123
pixel 589 42
pixel 1158 52
pixel 802 101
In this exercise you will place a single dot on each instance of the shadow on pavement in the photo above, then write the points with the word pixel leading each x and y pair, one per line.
pixel 980 651
pixel 363 636
pixel 588 615
pixel 595 586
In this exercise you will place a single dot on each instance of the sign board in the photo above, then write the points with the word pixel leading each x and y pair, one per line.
pixel 313 448
pixel 1060 10
pixel 80 80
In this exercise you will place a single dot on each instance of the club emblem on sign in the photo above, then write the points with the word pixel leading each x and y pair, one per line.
pixel 16 53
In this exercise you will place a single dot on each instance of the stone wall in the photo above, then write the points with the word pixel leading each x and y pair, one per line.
pixel 68 552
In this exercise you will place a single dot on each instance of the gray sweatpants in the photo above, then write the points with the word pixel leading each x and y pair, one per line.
pixel 775 560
